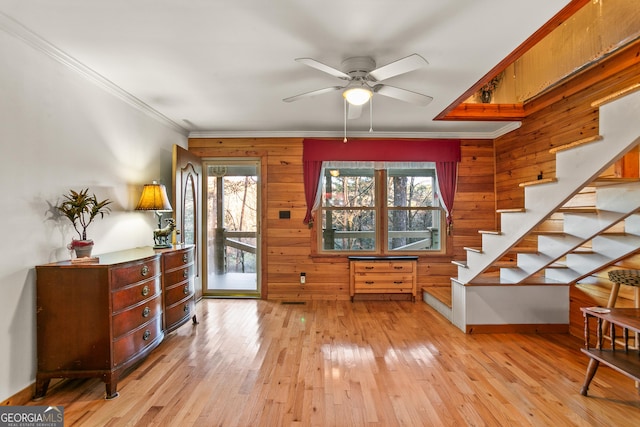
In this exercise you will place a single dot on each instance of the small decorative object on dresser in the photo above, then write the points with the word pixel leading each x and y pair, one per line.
pixel 161 236
pixel 81 209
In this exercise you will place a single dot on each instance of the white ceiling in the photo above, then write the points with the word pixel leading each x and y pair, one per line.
pixel 222 68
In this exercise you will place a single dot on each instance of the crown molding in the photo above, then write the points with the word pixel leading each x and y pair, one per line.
pixel 14 28
pixel 511 126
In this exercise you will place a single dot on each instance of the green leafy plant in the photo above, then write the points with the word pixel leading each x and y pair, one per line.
pixel 81 209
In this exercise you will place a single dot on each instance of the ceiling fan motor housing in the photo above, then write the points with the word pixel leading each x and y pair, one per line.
pixel 358 67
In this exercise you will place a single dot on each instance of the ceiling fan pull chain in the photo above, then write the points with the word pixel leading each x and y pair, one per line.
pixel 345 120
pixel 371 114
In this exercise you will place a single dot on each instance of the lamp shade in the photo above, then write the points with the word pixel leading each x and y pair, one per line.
pixel 154 198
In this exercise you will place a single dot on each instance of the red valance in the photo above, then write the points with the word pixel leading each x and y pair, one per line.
pixel 388 150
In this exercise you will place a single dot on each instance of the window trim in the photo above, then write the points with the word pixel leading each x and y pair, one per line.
pixel 381 229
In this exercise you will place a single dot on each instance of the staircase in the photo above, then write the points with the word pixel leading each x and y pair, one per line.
pixel 553 241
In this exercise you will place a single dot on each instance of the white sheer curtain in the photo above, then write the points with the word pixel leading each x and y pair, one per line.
pixel 372 165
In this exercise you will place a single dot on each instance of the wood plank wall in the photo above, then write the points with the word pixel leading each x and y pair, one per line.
pixel 558 117
pixel 287 242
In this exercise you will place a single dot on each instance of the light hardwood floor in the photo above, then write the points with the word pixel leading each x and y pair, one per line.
pixel 337 363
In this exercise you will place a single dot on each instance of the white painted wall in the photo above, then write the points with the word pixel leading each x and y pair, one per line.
pixel 60 131
pixel 517 305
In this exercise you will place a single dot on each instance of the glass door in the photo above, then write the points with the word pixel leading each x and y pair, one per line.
pixel 232 191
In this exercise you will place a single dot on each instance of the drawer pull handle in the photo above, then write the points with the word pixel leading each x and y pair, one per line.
pixel 185 274
pixel 145 291
pixel 146 312
pixel 146 335
pixel 145 270
pixel 398 267
pixel 397 282
pixel 186 290
pixel 185 258
pixel 369 282
pixel 186 308
pixel 368 267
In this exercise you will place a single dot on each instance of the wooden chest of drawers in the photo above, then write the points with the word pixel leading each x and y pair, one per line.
pixel 97 320
pixel 178 287
pixel 383 275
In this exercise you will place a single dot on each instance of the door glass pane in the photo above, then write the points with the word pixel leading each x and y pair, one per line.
pixel 189 218
pixel 232 228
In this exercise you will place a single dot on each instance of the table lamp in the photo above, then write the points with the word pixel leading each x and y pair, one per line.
pixel 154 198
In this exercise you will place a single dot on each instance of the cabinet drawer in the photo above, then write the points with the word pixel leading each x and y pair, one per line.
pixel 178 312
pixel 133 295
pixel 178 292
pixel 382 282
pixel 135 272
pixel 124 348
pixel 383 267
pixel 177 276
pixel 132 318
pixel 178 258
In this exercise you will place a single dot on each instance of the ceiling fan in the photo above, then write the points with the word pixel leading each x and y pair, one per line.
pixel 363 80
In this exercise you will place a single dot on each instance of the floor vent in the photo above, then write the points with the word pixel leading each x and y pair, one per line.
pixel 294 302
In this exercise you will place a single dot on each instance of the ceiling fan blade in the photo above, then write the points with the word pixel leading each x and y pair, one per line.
pixel 401 66
pixel 312 93
pixel 403 95
pixel 353 111
pixel 324 68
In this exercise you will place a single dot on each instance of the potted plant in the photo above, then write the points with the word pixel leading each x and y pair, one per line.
pixel 81 209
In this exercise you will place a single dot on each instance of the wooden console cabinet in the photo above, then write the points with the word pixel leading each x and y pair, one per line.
pixel 619 355
pixel 98 319
pixel 383 275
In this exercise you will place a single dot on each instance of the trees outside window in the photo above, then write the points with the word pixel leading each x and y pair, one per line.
pixel 381 211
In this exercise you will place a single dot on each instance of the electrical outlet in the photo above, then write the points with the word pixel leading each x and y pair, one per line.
pixel 303 278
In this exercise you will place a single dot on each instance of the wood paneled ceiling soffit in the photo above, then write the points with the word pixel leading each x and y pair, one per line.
pixel 582 34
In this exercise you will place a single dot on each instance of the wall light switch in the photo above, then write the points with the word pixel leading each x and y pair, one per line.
pixel 284 214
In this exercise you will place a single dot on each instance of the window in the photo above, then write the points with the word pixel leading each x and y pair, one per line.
pixel 389 209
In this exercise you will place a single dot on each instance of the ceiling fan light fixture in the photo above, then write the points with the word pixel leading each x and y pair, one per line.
pixel 363 79
pixel 357 95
